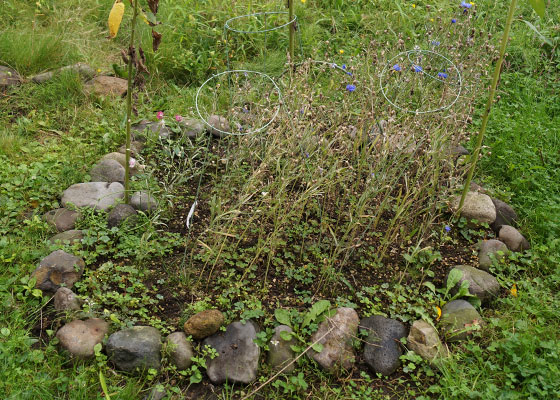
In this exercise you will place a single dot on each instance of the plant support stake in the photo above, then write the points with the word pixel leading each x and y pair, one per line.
pixel 491 96
pixel 292 29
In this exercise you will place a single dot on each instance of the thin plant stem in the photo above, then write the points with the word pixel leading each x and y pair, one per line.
pixel 129 105
pixel 495 79
pixel 292 29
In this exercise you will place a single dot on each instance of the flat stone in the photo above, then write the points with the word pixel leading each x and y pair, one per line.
pixel 66 300
pixel 487 248
pixel 505 215
pixel 281 354
pixel 180 350
pixel 204 324
pixel 72 236
pixel 119 213
pixel 155 394
pixel 143 201
pixel 217 124
pixel 383 348
pixel 82 69
pixel 192 127
pixel 458 151
pixel 56 269
pixel 146 128
pixel 107 170
pixel 137 347
pixel 62 219
pixel 121 159
pixel 98 195
pixel 481 283
pixel 424 340
pixel 80 337
pixel 238 354
pixel 336 334
pixel 513 239
pixel 459 319
pixel 136 148
pixel 477 206
pixel 8 77
pixel 107 86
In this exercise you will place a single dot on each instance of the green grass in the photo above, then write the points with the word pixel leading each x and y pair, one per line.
pixel 302 213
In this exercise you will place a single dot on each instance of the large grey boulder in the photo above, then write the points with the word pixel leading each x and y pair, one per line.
pixel 281 354
pixel 505 215
pixel 424 340
pixel 80 337
pixel 204 323
pixel 62 219
pixel 82 69
pixel 487 248
pixel 66 300
pixel 481 283
pixel 180 350
pixel 459 319
pixel 107 170
pixel 120 213
pixel 335 334
pixel 513 239
pixel 137 347
pixel 238 354
pixel 56 269
pixel 107 86
pixel 8 77
pixel 98 195
pixel 477 206
pixel 143 201
pixel 383 347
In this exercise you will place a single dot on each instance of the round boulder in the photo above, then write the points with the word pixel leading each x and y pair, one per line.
pixel 137 347
pixel 107 170
pixel 477 206
pixel 513 239
pixel 107 86
pixel 423 339
pixel 72 236
pixel 459 319
pixel 98 195
pixel 281 354
pixel 120 213
pixel 204 323
pixel 80 337
pixel 488 248
pixel 180 350
pixel 505 215
pixel 62 219
pixel 219 126
pixel 66 300
pixel 481 283
pixel 56 269
pixel 143 201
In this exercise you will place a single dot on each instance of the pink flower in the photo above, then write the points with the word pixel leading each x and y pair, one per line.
pixel 178 118
pixel 159 115
pixel 131 162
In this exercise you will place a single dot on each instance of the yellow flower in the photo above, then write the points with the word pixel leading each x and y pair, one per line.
pixel 303 1
pixel 472 4
pixel 98 70
pixel 513 290
pixel 438 313
pixel 431 19
pixel 341 51
pixel 413 5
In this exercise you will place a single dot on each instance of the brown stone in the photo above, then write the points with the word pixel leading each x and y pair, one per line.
pixel 204 323
pixel 56 269
pixel 107 86
pixel 80 337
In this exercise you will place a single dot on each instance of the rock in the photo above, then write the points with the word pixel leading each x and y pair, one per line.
pixel 238 354
pixel 79 337
pixel 383 348
pixel 8 77
pixel 121 159
pixel 478 206
pixel 66 300
pixel 192 127
pixel 62 219
pixel 217 124
pixel 180 350
pixel 513 239
pixel 107 86
pixel 120 213
pixel 459 319
pixel 423 339
pixel 143 201
pixel 144 128
pixel 458 151
pixel 136 148
pixel 486 248
pixel 156 394
pixel 337 344
pixel 481 283
pixel 72 236
pixel 281 354
pixel 98 195
pixel 475 187
pixel 81 68
pixel 137 347
pixel 56 269
pixel 505 215
pixel 204 324
pixel 107 170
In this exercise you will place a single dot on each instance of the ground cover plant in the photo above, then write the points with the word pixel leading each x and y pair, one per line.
pixel 341 202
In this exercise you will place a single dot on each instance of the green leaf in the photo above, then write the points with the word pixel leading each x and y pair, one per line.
pixel 540 35
pixel 287 336
pixel 453 279
pixel 538 6
pixel 316 309
pixel 318 347
pixel 104 385
pixel 283 316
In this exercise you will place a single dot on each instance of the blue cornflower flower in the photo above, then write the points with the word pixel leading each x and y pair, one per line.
pixel 306 154
pixel 343 66
pixel 349 73
pixel 397 67
pixel 417 68
pixel 447 228
pixel 464 4
pixel 435 43
pixel 442 75
pixel 453 20
pixel 350 88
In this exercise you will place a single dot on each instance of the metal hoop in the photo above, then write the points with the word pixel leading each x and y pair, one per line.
pixel 239 71
pixel 227 26
pixel 408 53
